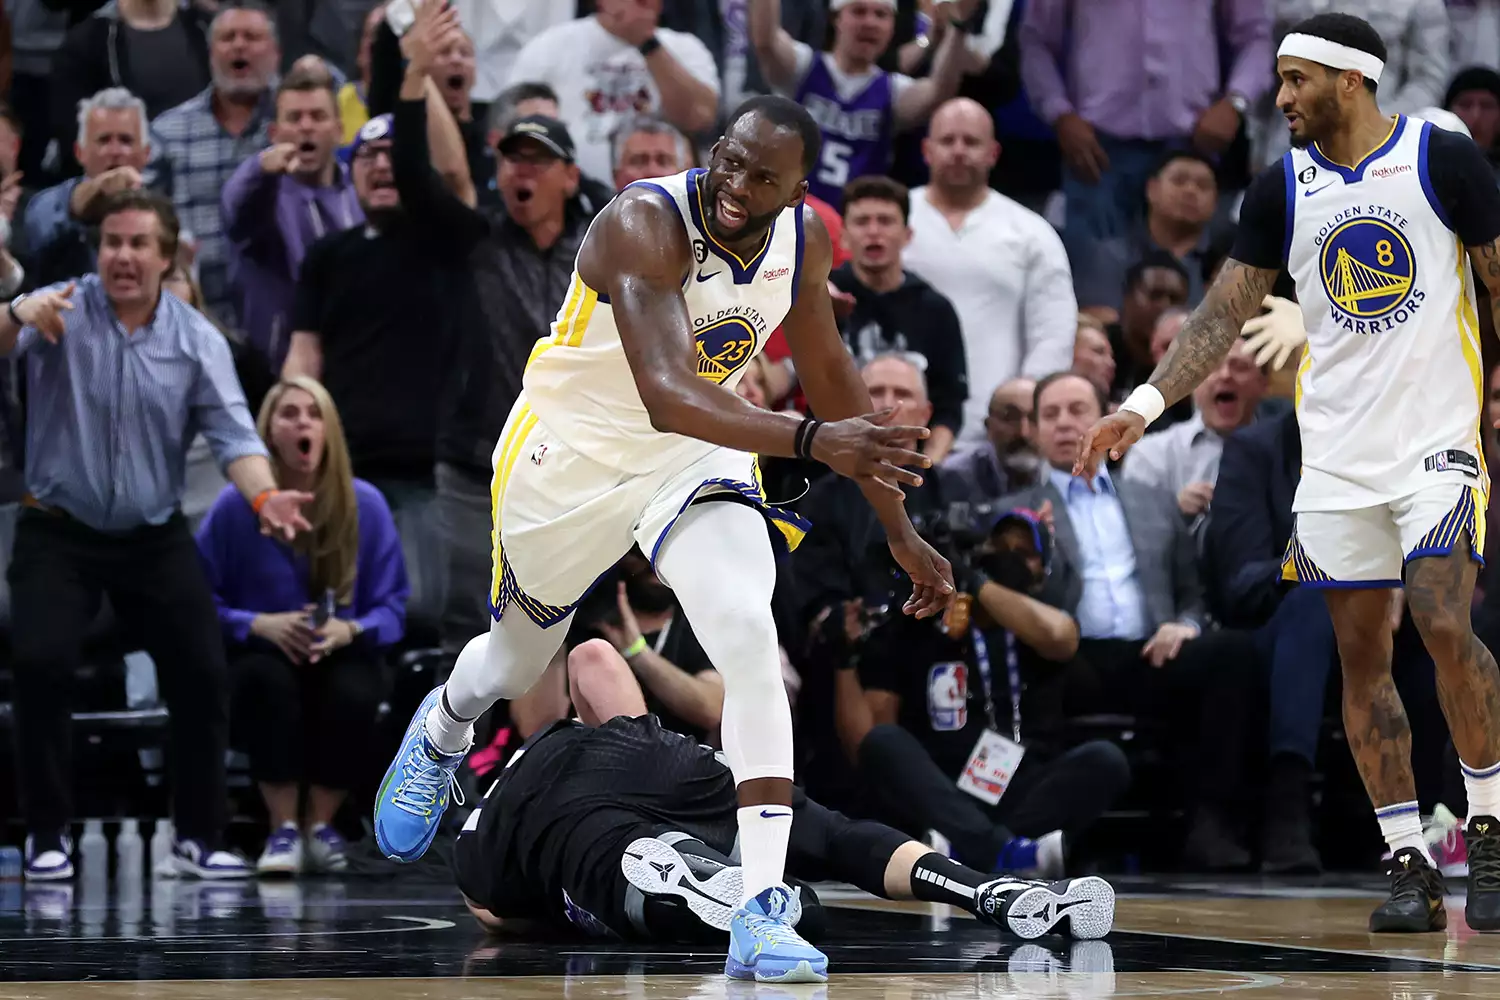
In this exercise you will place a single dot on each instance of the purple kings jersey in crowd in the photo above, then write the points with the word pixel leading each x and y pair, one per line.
pixel 856 132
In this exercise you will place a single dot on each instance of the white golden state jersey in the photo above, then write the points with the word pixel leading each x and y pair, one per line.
pixel 1390 389
pixel 578 380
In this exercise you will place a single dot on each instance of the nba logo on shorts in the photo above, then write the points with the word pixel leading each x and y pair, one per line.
pixel 539 454
pixel 1440 461
pixel 948 696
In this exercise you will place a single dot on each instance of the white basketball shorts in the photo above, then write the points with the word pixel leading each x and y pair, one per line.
pixel 1368 547
pixel 561 520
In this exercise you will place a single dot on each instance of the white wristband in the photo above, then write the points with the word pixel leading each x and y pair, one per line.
pixel 1147 402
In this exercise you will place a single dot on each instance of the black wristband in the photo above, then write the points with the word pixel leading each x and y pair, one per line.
pixel 649 46
pixel 802 443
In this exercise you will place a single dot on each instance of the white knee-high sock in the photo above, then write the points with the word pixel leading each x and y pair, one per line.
pixel 1483 787
pixel 503 663
pixel 718 561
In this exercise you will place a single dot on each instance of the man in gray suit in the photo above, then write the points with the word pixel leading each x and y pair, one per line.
pixel 1126 568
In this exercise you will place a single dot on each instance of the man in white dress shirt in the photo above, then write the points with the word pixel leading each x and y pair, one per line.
pixel 1001 265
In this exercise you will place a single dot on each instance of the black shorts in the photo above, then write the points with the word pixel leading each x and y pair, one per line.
pixel 548 838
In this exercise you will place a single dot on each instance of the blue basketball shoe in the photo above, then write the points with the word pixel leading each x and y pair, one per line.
pixel 415 791
pixel 764 947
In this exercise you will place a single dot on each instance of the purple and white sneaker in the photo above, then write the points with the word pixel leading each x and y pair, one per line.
pixel 326 850
pixel 194 859
pixel 283 853
pixel 50 860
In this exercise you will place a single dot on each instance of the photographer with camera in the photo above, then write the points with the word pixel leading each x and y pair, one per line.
pixel 956 725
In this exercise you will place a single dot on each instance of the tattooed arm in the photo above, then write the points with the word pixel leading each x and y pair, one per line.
pixel 1486 258
pixel 1200 347
pixel 1209 333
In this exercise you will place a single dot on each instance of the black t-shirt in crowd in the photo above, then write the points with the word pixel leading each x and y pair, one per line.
pixel 1461 179
pixel 382 305
pixel 913 318
pixel 942 688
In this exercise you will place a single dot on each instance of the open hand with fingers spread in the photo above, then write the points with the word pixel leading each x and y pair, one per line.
pixel 433 31
pixel 44 310
pixel 1113 434
pixel 870 452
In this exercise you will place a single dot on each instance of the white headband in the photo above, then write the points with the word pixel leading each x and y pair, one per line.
pixel 1331 54
pixel 838 5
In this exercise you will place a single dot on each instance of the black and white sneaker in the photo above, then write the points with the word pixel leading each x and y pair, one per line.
pixel 1085 907
pixel 657 869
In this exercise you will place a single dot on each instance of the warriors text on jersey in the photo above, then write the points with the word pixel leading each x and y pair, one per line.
pixel 579 382
pixel 1390 389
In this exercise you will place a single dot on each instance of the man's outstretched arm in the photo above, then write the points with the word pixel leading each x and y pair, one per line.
pixel 1207 335
pixel 1200 347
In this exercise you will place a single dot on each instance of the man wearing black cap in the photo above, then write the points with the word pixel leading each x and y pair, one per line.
pixel 521 258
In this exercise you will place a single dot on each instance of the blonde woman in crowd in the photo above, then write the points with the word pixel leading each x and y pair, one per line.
pixel 305 624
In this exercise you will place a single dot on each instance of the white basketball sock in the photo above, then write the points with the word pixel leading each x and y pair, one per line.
pixel 1401 825
pixel 764 832
pixel 1483 788
pixel 447 731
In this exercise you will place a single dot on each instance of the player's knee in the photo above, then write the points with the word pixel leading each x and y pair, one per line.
pixel 743 634
pixel 1446 633
pixel 592 662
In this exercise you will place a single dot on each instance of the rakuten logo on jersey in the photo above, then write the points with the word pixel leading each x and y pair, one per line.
pixel 1391 171
pixel 780 272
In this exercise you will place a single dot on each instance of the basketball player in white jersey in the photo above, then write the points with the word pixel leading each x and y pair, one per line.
pixel 1378 218
pixel 629 432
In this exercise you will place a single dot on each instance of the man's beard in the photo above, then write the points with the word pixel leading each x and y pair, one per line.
pixel 239 88
pixel 1317 126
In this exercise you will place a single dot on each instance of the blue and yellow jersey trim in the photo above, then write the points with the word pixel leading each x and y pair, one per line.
pixel 1357 172
pixel 743 270
pixel 572 323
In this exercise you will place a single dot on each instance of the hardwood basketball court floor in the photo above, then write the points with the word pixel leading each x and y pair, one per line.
pixel 394 939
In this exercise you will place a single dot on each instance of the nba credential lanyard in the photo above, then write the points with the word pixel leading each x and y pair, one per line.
pixel 1013 674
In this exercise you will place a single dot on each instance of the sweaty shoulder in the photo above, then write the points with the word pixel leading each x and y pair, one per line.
pixel 1464 186
pixel 641 232
pixel 817 246
pixel 1261 238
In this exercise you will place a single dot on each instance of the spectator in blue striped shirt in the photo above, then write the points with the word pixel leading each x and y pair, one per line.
pixel 204 139
pixel 121 378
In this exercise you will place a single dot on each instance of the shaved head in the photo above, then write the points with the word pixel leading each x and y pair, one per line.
pixel 960 148
pixel 964 113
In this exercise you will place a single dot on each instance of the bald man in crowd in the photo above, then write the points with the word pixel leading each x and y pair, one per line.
pixel 1006 460
pixel 1001 265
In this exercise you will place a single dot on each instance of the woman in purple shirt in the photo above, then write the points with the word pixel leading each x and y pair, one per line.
pixel 305 624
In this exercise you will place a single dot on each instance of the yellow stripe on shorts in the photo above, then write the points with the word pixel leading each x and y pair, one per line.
pixel 521 425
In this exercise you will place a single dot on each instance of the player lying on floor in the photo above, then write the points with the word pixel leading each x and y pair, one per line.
pixel 625 829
